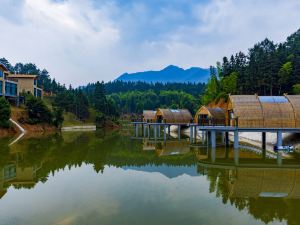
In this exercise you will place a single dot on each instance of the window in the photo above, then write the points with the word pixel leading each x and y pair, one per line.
pixel 9 172
pixel 10 89
pixel 35 92
pixel 1 73
pixel 1 87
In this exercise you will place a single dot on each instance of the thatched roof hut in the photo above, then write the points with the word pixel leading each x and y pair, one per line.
pixel 210 115
pixel 173 116
pixel 264 111
pixel 149 115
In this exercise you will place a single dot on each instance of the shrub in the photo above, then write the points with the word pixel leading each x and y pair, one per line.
pixel 5 113
pixel 38 112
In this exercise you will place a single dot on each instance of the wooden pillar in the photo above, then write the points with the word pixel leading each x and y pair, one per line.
pixel 279 138
pixel 154 127
pixel 223 137
pixel 191 134
pixel 203 136
pixel 213 139
pixel 236 139
pixel 195 134
pixel 148 131
pixel 136 130
pixel 179 132
pixel 144 130
pixel 236 156
pixel 263 140
pixel 227 138
pixel 279 158
pixel 169 131
pixel 165 132
pixel 159 130
pixel 213 155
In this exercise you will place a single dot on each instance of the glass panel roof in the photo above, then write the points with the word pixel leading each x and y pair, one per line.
pixel 273 99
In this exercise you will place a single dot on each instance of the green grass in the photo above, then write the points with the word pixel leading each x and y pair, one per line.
pixel 71 120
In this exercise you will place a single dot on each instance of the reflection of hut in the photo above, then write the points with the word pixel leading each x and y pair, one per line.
pixel 173 116
pixel 149 116
pixel 255 182
pixel 210 116
pixel 172 148
pixel 148 146
pixel 264 111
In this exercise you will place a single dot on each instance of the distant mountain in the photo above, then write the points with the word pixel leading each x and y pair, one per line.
pixel 169 74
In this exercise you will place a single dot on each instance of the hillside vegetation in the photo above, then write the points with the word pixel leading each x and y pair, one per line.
pixel 266 69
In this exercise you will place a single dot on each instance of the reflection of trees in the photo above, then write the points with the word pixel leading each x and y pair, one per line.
pixel 264 209
pixel 48 154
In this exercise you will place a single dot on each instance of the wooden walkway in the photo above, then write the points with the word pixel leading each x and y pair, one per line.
pixel 153 131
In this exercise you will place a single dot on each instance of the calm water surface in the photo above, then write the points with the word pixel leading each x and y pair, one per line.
pixel 98 178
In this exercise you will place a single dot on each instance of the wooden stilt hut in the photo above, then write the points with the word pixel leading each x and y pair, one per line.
pixel 254 111
pixel 173 116
pixel 210 116
pixel 149 116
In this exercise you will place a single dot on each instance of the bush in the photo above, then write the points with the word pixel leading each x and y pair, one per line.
pixel 5 113
pixel 38 112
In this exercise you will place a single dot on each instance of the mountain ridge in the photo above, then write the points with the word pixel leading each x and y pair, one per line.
pixel 169 74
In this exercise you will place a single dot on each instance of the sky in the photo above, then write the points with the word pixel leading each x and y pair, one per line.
pixel 82 41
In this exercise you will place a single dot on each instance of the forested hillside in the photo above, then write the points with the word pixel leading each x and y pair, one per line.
pixel 112 99
pixel 267 69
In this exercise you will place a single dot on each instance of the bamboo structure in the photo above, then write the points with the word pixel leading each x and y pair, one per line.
pixel 173 116
pixel 295 102
pixel 211 115
pixel 149 116
pixel 254 111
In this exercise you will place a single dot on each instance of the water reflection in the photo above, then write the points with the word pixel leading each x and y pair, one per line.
pixel 90 177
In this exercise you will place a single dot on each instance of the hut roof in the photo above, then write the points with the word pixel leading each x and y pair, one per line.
pixel 149 114
pixel 175 115
pixel 295 102
pixel 216 112
pixel 266 111
pixel 248 109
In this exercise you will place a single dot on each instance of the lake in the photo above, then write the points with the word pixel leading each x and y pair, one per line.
pixel 109 178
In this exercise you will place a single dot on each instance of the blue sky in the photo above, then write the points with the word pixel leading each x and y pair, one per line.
pixel 81 41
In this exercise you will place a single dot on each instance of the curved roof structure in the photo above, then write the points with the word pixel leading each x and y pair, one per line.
pixel 248 110
pixel 266 111
pixel 149 115
pixel 215 113
pixel 174 115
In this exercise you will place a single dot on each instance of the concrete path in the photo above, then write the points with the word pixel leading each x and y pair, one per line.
pixel 23 131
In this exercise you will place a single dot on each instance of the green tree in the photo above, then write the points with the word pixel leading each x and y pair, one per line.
pixel 38 112
pixel 284 74
pixel 58 117
pixel 99 98
pixel 5 113
pixel 296 89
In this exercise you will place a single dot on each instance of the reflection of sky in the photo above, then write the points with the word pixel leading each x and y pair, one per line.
pixel 80 196
pixel 168 171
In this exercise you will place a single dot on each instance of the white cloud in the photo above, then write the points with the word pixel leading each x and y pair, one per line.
pixel 79 42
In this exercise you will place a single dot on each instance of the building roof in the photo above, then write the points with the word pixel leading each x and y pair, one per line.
pixel 149 114
pixel 175 115
pixel 22 76
pixel 216 113
pixel 266 111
